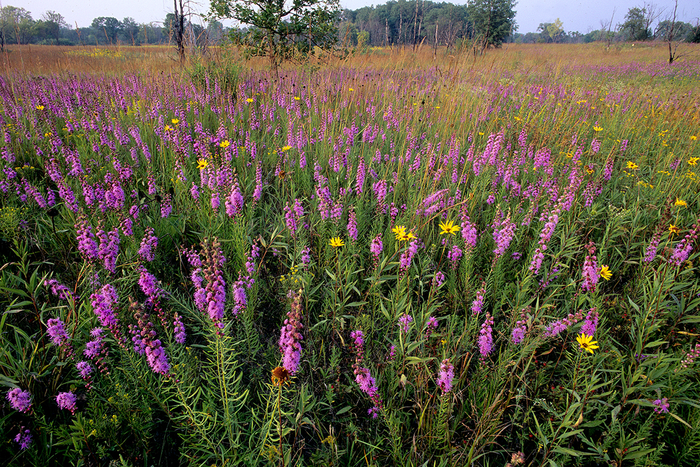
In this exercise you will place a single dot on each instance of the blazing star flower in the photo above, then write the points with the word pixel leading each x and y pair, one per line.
pixel 632 166
pixel 23 438
pixel 66 400
pixel 20 400
pixel 445 376
pixel 605 273
pixel 587 343
pixel 336 242
pixel 448 228
pixel 662 405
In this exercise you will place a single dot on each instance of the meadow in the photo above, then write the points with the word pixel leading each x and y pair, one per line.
pixel 389 258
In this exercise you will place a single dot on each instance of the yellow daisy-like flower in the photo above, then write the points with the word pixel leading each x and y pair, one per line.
pixel 39 107
pixel 202 164
pixel 296 98
pixel 605 273
pixel 175 121
pixel 587 343
pixel 249 100
pixel 589 169
pixel 631 165
pixel 673 229
pixel 448 228
pixel 168 128
pixel 286 148
pixel 597 129
pixel 351 90
pixel 224 144
pixel 399 232
pixel 693 160
pixel 693 138
pixel 680 203
pixel 336 242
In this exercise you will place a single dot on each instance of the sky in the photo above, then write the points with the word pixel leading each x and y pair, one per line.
pixel 575 16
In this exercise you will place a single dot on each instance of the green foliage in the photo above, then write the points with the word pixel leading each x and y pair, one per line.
pixel 493 21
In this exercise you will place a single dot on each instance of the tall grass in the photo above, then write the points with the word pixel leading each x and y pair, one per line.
pixel 534 300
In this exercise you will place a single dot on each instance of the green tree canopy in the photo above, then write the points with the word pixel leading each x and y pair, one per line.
pixel 493 20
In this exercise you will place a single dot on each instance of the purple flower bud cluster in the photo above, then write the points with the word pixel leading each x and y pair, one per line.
pixel 179 329
pixel 352 225
pixel 84 369
pixel 438 279
pixel 291 337
pixel 545 236
pixel 376 247
pixel 57 332
pixel 430 326
pixel 144 339
pixel 20 400
pixel 360 176
pixel 692 355
pixel 454 255
pixel 478 302
pixel 485 340
pixel 149 286
pixel 650 253
pixel 661 405
pixel 234 202
pixel 166 206
pixel 66 401
pixel 240 300
pixel 148 245
pixel 58 289
pixel 685 246
pixel 591 322
pixel 364 379
pixel 503 233
pixel 558 326
pixel 445 376
pixel 405 322
pixel 104 304
pixel 210 298
pixel 24 438
pixel 591 274
pixel 469 232
pixel 407 257
pixel 87 246
pixel 109 248
pixel 293 215
pixel 432 203
pixel 519 332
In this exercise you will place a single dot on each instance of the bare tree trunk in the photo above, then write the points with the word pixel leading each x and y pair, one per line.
pixel 179 29
pixel 671 49
pixel 386 32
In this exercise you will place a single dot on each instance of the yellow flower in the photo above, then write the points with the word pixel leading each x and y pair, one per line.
pixel 168 128
pixel 605 273
pixel 224 144
pixel 673 229
pixel 351 90
pixel 631 165
pixel 448 228
pixel 286 148
pixel 693 138
pixel 589 169
pixel 587 343
pixel 336 242
pixel 249 100
pixel 597 129
pixel 39 107
pixel 202 164
pixel 296 98
pixel 693 160
pixel 175 121
pixel 680 202
pixel 399 232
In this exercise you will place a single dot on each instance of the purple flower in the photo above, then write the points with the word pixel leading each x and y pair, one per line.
pixel 56 331
pixel 519 332
pixel 503 232
pixel 438 279
pixel 20 400
pixel 469 232
pixel 148 245
pixel 179 329
pixel 405 322
pixel 23 438
pixel 485 336
pixel 591 273
pixel 109 248
pixel 58 289
pixel 234 203
pixel 87 245
pixel 368 385
pixel 104 303
pixel 557 327
pixel 84 369
pixel 66 401
pixel 352 225
pixel 445 376
pixel 93 349
pixel 376 246
pixel 407 257
pixel 454 255
pixel 478 302
pixel 591 322
pixel 662 405
pixel 290 338
pixel 685 246
pixel 149 285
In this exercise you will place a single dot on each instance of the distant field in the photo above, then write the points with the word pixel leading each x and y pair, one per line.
pixel 378 258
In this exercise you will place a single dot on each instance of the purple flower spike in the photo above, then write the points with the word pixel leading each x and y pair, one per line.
pixel 23 438
pixel 445 376
pixel 66 401
pixel 20 400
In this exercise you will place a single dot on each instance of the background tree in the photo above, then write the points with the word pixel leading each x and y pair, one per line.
pixel 279 28
pixel 493 21
pixel 107 27
pixel 129 32
pixel 16 25
pixel 54 23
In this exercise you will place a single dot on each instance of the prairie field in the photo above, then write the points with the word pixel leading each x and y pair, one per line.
pixel 391 257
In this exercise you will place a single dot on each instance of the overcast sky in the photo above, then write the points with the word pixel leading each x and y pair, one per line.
pixel 575 15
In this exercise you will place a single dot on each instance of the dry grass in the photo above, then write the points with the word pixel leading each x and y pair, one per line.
pixel 48 59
